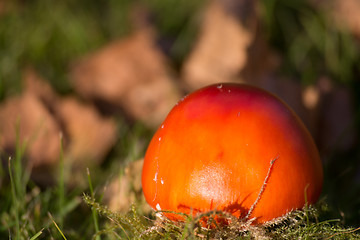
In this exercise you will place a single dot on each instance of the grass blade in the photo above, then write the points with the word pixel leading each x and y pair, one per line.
pixel 37 234
pixel 57 227
pixel 15 200
pixel 61 186
pixel 94 213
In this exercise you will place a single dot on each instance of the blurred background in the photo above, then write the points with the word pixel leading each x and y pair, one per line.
pixel 85 83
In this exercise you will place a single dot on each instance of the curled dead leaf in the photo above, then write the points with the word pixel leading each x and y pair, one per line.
pixel 37 128
pixel 346 14
pixel 221 50
pixel 126 189
pixel 90 135
pixel 131 74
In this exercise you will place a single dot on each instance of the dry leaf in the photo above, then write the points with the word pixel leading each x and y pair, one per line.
pixel 221 50
pixel 90 136
pixel 42 116
pixel 38 86
pixel 132 74
pixel 347 14
pixel 126 190
pixel 37 128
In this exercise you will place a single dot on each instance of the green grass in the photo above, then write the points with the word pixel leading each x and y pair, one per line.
pixel 51 35
pixel 309 41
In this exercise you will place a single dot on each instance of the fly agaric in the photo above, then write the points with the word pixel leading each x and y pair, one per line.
pixel 234 148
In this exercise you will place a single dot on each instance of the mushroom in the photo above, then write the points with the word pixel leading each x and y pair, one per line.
pixel 234 148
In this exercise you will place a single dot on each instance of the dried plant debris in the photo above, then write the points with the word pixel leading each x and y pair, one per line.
pixel 131 74
pixel 28 118
pixel 299 224
pixel 346 14
pixel 39 87
pixel 42 119
pixel 125 189
pixel 221 49
pixel 90 135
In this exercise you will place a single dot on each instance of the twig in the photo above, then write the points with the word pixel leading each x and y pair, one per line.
pixel 272 162
pixel 350 231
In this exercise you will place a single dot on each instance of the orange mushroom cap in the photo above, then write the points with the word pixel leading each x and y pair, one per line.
pixel 217 149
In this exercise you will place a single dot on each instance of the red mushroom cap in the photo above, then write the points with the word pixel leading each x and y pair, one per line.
pixel 217 149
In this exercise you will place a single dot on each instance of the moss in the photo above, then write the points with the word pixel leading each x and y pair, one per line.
pixel 299 224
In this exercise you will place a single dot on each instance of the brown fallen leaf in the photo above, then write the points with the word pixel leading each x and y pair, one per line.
pixel 41 116
pixel 89 135
pixel 346 14
pixel 37 128
pixel 39 87
pixel 3 6
pixel 126 189
pixel 221 50
pixel 131 74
